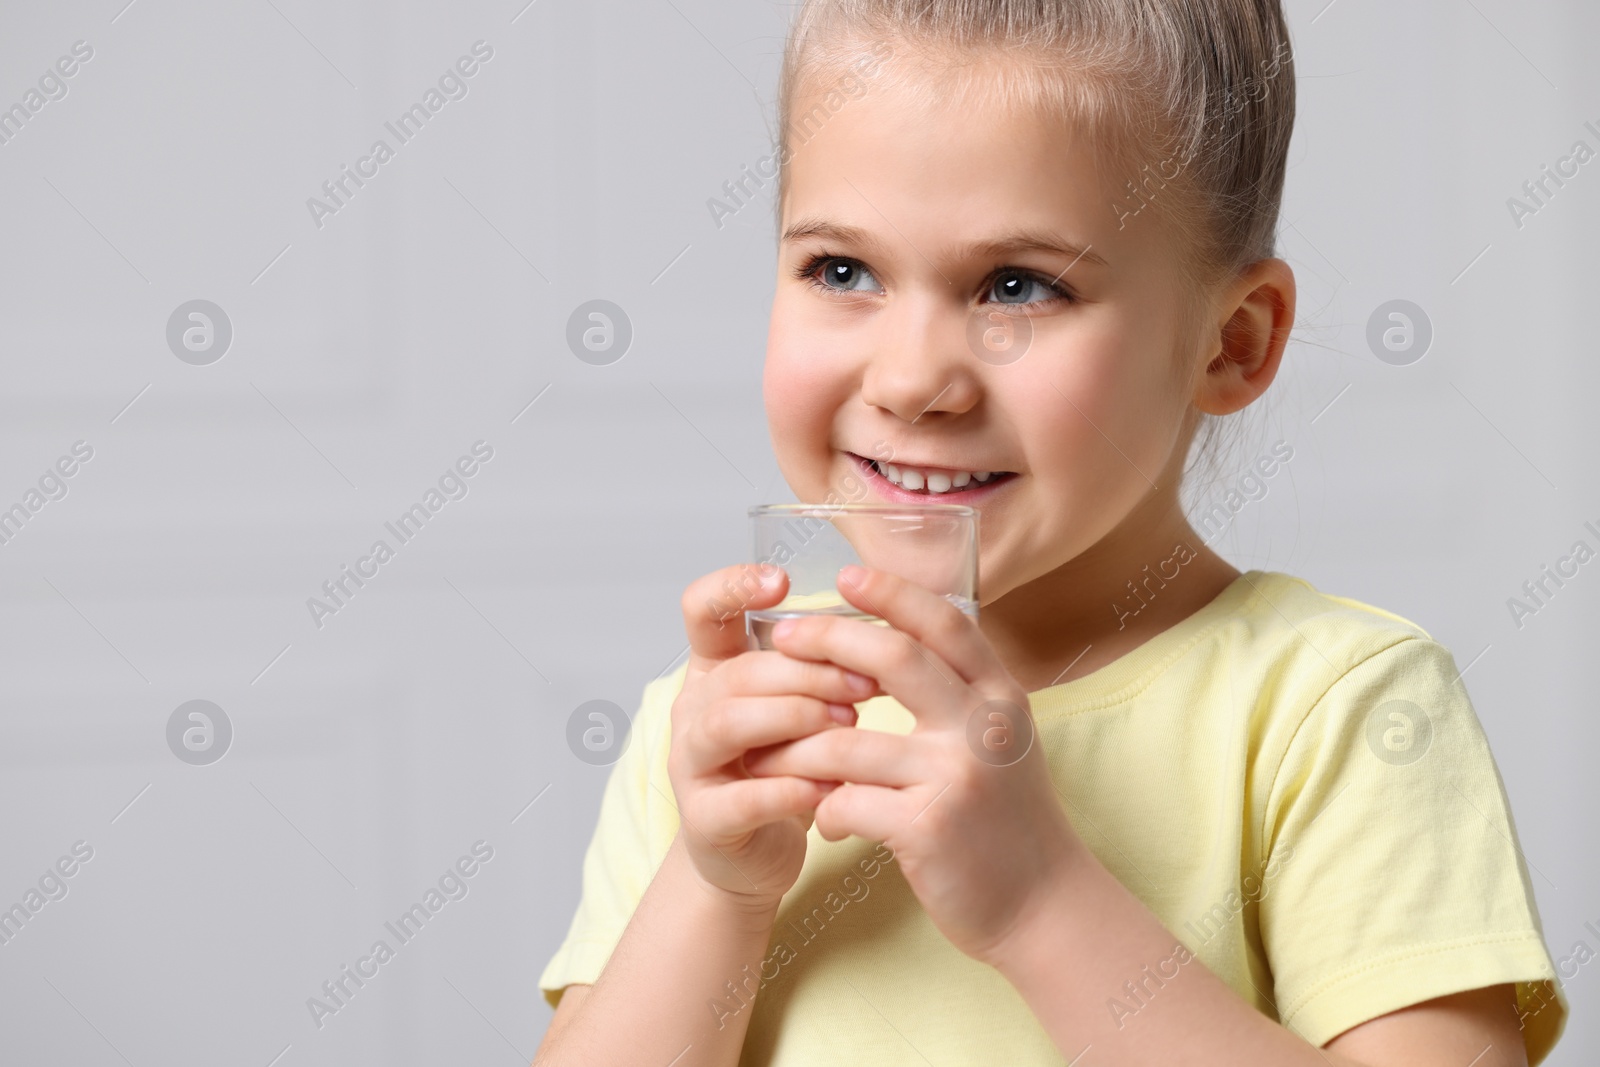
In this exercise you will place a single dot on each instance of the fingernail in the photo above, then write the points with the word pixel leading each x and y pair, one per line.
pixel 769 573
pixel 784 628
pixel 859 682
pixel 843 714
pixel 853 573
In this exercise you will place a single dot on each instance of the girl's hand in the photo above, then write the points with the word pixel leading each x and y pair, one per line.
pixel 745 835
pixel 974 819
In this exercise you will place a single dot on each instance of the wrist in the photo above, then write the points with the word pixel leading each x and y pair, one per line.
pixel 1065 893
pixel 744 911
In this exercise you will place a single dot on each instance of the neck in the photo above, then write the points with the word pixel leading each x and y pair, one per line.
pixel 1148 574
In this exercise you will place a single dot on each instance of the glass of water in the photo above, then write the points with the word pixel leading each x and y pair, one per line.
pixel 932 545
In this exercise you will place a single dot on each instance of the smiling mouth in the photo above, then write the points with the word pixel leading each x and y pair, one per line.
pixel 930 481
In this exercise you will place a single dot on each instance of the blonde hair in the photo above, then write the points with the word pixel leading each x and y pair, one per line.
pixel 1192 99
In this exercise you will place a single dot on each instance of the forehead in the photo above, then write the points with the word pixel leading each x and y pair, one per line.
pixel 920 146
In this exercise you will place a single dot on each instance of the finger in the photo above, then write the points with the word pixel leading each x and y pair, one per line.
pixel 941 627
pixel 768 672
pixel 726 729
pixel 736 808
pixel 872 812
pixel 714 605
pixel 928 687
pixel 870 756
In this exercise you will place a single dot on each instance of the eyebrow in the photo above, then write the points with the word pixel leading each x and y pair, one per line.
pixel 990 248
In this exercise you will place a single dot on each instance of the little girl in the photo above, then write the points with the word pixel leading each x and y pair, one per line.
pixel 1026 260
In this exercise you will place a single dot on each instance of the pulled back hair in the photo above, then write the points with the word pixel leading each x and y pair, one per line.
pixel 1191 101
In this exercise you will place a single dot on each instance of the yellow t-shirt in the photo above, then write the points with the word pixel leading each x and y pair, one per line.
pixel 1296 784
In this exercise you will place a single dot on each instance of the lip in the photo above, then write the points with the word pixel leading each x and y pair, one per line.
pixel 891 492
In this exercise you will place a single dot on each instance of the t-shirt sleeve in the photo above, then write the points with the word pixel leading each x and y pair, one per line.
pixel 1399 875
pixel 636 826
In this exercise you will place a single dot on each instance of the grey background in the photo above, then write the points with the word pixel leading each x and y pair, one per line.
pixel 369 353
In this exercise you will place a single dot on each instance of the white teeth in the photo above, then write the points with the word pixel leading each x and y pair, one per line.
pixel 938 481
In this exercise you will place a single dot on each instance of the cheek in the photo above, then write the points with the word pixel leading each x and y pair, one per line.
pixel 1110 401
pixel 1124 379
pixel 1093 391
pixel 801 391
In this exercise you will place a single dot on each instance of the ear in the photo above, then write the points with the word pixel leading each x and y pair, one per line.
pixel 1258 313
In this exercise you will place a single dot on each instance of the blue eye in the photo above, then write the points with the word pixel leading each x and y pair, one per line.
pixel 843 275
pixel 1015 287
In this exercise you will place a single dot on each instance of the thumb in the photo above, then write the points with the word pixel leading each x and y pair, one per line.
pixel 714 606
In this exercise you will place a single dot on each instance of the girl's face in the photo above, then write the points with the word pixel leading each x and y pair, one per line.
pixel 961 291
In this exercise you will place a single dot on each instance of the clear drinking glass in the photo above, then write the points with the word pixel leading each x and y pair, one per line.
pixel 933 545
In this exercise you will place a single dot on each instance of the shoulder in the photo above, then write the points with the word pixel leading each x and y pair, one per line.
pixel 1306 639
pixel 1294 602
pixel 1351 694
pixel 661 692
pixel 652 725
pixel 1339 679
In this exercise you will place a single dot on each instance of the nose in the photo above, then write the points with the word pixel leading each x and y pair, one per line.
pixel 919 364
